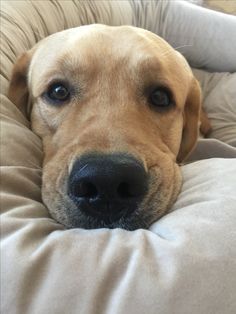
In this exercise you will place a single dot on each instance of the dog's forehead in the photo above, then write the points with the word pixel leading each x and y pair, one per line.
pixel 93 40
pixel 118 40
pixel 97 36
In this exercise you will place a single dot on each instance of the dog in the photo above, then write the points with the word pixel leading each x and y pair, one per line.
pixel 118 111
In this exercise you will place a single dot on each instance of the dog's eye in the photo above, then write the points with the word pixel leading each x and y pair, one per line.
pixel 160 98
pixel 58 93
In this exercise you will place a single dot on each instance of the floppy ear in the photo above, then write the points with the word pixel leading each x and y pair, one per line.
pixel 18 89
pixel 205 127
pixel 191 121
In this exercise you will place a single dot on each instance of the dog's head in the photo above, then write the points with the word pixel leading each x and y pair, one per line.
pixel 117 109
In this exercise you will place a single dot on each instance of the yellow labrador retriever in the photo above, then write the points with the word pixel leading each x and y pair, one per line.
pixel 117 109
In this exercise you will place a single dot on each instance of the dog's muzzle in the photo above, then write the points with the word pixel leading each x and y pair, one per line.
pixel 107 186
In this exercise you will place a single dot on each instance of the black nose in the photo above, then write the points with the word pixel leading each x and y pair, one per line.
pixel 107 186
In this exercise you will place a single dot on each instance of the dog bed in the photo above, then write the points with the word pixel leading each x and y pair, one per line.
pixel 186 262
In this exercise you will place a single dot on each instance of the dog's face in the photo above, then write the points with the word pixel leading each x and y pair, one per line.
pixel 116 108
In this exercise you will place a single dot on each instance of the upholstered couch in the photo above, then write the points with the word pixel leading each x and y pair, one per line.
pixel 186 262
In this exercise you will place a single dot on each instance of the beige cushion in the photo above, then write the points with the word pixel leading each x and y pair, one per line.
pixel 185 263
pixel 219 100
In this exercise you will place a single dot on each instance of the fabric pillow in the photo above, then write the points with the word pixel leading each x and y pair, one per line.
pixel 204 37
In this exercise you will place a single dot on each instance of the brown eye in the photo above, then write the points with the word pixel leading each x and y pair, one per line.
pixel 58 93
pixel 160 98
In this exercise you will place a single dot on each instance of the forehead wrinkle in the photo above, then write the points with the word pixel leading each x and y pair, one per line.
pixel 74 62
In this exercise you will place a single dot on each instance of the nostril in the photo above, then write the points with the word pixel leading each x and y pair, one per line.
pixel 85 189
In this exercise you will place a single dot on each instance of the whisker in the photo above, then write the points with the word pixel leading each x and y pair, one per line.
pixel 176 48
pixel 182 46
pixel 84 167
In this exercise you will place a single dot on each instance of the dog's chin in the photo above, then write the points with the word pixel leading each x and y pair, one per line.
pixel 136 220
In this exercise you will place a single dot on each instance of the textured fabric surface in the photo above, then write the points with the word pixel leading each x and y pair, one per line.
pixel 206 37
pixel 219 100
pixel 185 263
pixel 226 6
